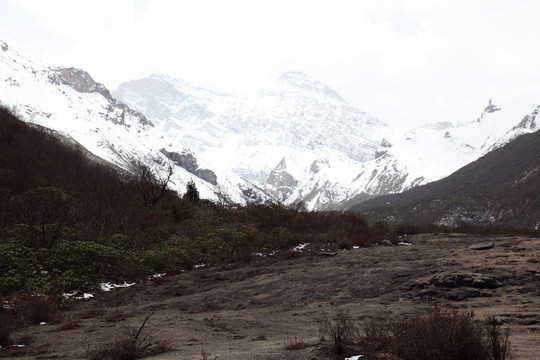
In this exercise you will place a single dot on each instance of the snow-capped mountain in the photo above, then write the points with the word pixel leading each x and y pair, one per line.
pixel 70 102
pixel 298 141
pixel 301 141
pixel 278 138
pixel 501 188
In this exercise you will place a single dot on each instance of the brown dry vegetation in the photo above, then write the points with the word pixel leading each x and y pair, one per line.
pixel 220 310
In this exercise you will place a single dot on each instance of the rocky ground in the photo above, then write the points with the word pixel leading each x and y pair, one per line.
pixel 252 312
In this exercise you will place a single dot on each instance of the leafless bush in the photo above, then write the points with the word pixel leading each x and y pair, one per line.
pixel 153 177
pixel 70 325
pixel 295 344
pixel 6 326
pixel 206 355
pixel 30 310
pixel 438 334
pixel 341 329
pixel 497 339
pixel 133 344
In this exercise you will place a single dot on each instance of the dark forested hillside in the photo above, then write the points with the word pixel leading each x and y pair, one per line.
pixel 502 188
pixel 68 222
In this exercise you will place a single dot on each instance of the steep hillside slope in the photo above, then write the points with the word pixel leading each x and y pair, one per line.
pixel 501 188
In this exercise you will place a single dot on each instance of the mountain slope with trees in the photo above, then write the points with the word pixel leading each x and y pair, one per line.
pixel 69 222
pixel 501 188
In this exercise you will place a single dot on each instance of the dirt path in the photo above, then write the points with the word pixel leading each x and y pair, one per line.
pixel 251 312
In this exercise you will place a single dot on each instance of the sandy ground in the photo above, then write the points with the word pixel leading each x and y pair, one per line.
pixel 252 311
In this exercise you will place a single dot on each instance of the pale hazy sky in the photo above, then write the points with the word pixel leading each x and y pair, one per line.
pixel 406 62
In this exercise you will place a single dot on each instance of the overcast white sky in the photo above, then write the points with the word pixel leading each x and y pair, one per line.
pixel 406 62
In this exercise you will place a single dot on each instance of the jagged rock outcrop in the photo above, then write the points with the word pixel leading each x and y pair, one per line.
pixel 529 120
pixel 188 161
pixel 82 82
pixel 280 182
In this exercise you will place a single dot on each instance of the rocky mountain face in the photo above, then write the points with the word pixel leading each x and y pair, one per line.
pixel 77 107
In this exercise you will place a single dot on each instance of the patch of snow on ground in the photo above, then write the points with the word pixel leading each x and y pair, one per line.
pixel 271 253
pixel 75 293
pixel 300 247
pixel 357 357
pixel 404 243
pixel 109 286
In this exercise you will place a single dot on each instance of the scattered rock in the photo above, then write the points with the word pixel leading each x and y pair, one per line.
pixel 477 281
pixel 386 242
pixel 482 246
pixel 328 254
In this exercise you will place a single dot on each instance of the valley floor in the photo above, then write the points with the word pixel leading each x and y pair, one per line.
pixel 251 312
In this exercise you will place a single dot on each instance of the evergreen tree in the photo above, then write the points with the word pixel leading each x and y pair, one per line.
pixel 192 194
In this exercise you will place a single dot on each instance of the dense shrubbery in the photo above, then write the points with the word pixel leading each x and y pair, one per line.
pixel 68 222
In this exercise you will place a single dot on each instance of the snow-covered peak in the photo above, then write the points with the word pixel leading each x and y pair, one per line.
pixel 298 81
pixel 71 102
pixel 297 142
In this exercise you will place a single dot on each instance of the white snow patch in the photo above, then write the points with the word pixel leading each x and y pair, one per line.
pixel 300 247
pixel 266 254
pixel 404 243
pixel 75 293
pixel 109 286
pixel 354 357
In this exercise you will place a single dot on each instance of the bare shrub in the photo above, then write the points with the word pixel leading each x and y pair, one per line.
pixel 295 344
pixel 152 177
pixel 497 339
pixel 31 310
pixel 69 325
pixel 133 344
pixel 341 329
pixel 258 338
pixel 6 326
pixel 205 355
pixel 438 334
